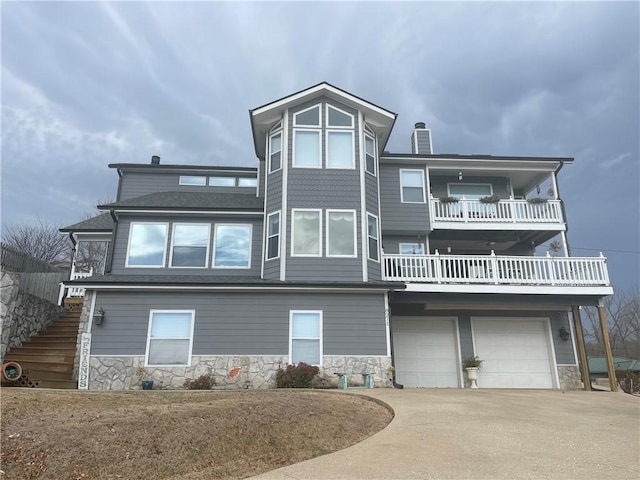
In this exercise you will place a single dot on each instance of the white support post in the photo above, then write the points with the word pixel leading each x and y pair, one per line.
pixel 494 267
pixel 438 266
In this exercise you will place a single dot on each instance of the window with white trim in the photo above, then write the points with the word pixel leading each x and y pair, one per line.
pixel 190 245
pixel 373 237
pixel 411 248
pixel 222 181
pixel 412 186
pixel 305 232
pixel 470 191
pixel 170 337
pixel 340 150
pixel 309 117
pixel 275 152
pixel 273 235
pixel 247 182
pixel 306 148
pixel 369 155
pixel 338 118
pixel 305 337
pixel 192 180
pixel 147 245
pixel 341 233
pixel 232 246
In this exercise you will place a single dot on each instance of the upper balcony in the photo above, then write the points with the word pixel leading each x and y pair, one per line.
pixel 450 213
pixel 499 274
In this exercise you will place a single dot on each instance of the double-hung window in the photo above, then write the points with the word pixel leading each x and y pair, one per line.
pixel 370 155
pixel 190 245
pixel 147 245
pixel 273 235
pixel 170 337
pixel 232 246
pixel 306 228
pixel 305 337
pixel 341 233
pixel 340 148
pixel 412 186
pixel 306 138
pixel 373 236
pixel 275 152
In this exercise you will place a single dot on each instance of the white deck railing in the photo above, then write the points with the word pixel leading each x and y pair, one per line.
pixel 75 291
pixel 496 270
pixel 504 211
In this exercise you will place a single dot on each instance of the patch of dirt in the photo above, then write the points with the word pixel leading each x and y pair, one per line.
pixel 49 434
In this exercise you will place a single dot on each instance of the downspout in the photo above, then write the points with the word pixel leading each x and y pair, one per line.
pixel 564 212
pixel 393 361
pixel 73 250
pixel 109 262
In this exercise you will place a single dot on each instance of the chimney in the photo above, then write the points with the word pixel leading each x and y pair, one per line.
pixel 421 139
pixel 155 160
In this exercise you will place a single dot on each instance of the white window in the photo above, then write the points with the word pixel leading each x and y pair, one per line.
pixel 232 246
pixel 412 186
pixel 411 249
pixel 341 233
pixel 306 228
pixel 338 118
pixel 189 180
pixel 247 182
pixel 147 245
pixel 309 117
pixel 305 337
pixel 170 337
pixel 340 151
pixel 222 181
pixel 273 235
pixel 306 148
pixel 275 152
pixel 190 245
pixel 470 191
pixel 373 236
pixel 369 155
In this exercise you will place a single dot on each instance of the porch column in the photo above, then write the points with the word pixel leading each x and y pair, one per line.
pixel 611 370
pixel 582 354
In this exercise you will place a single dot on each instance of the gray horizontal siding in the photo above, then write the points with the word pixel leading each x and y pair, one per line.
pixel 122 239
pixel 243 323
pixel 135 184
pixel 563 350
pixel 273 204
pixel 500 185
pixel 397 216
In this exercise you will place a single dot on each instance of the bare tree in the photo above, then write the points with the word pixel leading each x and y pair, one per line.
pixel 623 319
pixel 40 239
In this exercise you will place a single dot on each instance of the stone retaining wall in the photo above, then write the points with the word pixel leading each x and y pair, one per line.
pixel 22 315
pixel 229 372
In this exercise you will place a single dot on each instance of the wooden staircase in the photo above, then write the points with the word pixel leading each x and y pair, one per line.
pixel 47 359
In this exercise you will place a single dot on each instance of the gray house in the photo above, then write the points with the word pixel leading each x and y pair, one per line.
pixel 335 252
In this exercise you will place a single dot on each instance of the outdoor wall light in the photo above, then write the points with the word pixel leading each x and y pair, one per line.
pixel 564 334
pixel 98 317
pixel 459 175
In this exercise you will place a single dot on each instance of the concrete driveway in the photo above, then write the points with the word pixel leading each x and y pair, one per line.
pixel 491 434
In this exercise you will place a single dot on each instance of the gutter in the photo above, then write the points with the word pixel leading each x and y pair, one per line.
pixel 564 211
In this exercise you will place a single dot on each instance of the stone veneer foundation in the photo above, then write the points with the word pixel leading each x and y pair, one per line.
pixel 570 378
pixel 255 371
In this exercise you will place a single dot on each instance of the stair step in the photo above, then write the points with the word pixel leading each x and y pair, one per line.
pixel 36 374
pixel 46 367
pixel 45 383
pixel 54 337
pixel 16 356
pixel 35 350
pixel 59 330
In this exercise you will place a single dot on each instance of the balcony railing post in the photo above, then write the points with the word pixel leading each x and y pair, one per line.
pixel 603 269
pixel 438 266
pixel 552 268
pixel 494 267
pixel 465 209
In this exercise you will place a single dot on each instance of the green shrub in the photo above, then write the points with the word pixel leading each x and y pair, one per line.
pixel 296 376
pixel 203 382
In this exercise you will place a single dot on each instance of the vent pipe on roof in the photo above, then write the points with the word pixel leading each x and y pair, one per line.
pixel 421 139
pixel 155 160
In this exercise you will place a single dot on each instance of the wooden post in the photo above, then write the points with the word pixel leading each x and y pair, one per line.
pixel 611 370
pixel 582 354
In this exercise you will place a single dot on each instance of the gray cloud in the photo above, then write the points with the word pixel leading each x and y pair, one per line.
pixel 86 84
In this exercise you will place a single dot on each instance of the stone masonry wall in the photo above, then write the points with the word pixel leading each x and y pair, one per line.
pixel 83 327
pixel 229 372
pixel 570 378
pixel 22 315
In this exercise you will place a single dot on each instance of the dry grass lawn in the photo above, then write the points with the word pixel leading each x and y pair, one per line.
pixel 60 434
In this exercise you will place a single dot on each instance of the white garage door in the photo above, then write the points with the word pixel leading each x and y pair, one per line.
pixel 516 352
pixel 425 351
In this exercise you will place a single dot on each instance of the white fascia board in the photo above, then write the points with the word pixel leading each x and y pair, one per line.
pixel 477 163
pixel 192 212
pixel 243 288
pixel 437 225
pixel 515 289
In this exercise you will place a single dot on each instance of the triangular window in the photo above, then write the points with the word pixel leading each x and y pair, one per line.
pixel 338 118
pixel 308 118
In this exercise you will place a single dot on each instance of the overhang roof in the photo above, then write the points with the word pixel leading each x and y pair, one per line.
pixel 143 167
pixel 195 201
pixel 99 223
pixel 264 117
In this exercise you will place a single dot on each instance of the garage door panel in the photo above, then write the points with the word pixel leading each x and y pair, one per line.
pixel 516 353
pixel 425 351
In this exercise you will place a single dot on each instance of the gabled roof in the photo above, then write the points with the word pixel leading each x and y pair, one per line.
pixel 99 223
pixel 201 201
pixel 262 118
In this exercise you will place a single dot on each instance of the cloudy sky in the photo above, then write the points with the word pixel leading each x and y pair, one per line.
pixel 86 84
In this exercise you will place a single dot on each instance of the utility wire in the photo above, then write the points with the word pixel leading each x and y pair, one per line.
pixel 606 250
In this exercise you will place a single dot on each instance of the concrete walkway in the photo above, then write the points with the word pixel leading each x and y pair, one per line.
pixel 491 434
